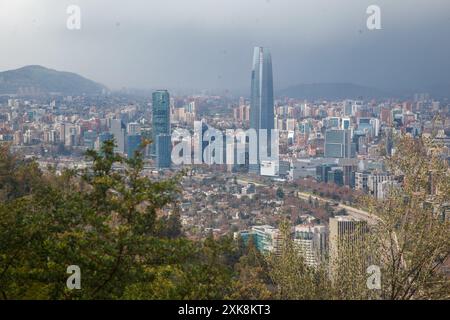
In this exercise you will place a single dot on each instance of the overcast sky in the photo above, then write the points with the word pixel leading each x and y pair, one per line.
pixel 209 43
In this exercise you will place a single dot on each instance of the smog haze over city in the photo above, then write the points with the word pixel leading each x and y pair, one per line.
pixel 203 44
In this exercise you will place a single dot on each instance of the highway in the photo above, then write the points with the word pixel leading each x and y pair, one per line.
pixel 351 211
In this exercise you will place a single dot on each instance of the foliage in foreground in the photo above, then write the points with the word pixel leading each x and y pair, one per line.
pixel 108 223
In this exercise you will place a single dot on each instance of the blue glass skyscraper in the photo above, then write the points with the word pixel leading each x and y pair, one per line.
pixel 163 151
pixel 133 143
pixel 338 144
pixel 261 98
pixel 161 128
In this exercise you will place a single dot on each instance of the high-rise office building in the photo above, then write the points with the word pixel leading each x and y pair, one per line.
pixel 348 108
pixel 312 242
pixel 133 144
pixel 62 133
pixel 336 176
pixel 338 144
pixel 261 98
pixel 389 141
pixel 102 137
pixel 322 172
pixel 89 138
pixel 163 150
pixel 346 123
pixel 375 179
pixel 117 129
pixel 333 123
pixel 266 238
pixel 346 234
pixel 161 128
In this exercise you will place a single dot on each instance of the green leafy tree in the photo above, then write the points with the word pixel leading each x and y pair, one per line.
pixel 411 237
pixel 253 282
pixel 293 279
pixel 104 220
pixel 280 193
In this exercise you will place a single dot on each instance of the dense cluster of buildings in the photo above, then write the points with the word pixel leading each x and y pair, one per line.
pixel 344 143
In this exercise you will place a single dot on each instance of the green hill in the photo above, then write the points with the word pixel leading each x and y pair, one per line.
pixel 31 80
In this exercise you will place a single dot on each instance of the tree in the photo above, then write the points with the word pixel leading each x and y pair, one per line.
pixel 170 226
pixel 292 277
pixel 253 281
pixel 18 176
pixel 104 221
pixel 407 238
pixel 411 240
pixel 280 193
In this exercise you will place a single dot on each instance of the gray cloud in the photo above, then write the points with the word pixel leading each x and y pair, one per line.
pixel 208 43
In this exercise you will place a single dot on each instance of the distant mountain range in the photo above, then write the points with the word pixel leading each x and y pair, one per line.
pixel 32 80
pixel 35 80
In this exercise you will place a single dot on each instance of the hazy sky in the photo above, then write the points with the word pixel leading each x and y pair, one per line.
pixel 209 43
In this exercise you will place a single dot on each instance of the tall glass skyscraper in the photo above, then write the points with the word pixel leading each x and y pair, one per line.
pixel 261 98
pixel 117 129
pixel 133 143
pixel 161 128
pixel 338 144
